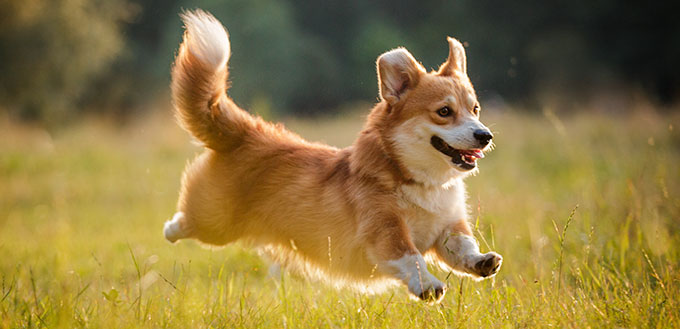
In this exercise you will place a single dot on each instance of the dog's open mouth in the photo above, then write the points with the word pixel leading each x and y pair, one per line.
pixel 465 159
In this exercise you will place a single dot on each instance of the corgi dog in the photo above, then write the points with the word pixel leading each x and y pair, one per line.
pixel 362 216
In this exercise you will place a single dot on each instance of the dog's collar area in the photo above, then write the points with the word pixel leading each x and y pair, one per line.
pixel 464 159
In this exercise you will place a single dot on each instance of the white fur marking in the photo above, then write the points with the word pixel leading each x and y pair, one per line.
pixel 462 136
pixel 429 210
pixel 172 229
pixel 466 248
pixel 424 162
pixel 452 101
pixel 471 99
pixel 207 39
pixel 412 270
pixel 462 254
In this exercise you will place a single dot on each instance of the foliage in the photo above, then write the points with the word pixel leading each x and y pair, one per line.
pixel 307 57
pixel 81 215
pixel 50 51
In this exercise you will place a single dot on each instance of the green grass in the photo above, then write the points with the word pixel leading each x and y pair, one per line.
pixel 584 208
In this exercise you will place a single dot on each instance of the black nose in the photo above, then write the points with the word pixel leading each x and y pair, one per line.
pixel 483 136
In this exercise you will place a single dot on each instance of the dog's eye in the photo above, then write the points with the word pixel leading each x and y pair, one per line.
pixel 444 111
pixel 475 110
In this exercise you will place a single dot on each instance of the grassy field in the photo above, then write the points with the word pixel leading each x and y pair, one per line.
pixel 585 208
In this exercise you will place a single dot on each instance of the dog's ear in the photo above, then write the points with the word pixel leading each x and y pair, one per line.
pixel 398 72
pixel 456 60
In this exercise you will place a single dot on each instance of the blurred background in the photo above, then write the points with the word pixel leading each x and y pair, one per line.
pixel 60 59
pixel 581 195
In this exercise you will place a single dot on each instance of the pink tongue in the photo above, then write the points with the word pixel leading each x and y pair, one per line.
pixel 474 153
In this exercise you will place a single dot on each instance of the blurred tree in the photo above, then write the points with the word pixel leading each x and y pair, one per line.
pixel 141 71
pixel 273 61
pixel 50 51
pixel 306 57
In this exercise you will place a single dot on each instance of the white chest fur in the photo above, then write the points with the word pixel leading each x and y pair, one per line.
pixel 429 210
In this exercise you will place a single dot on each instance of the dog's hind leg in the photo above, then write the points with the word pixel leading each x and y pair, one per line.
pixel 459 249
pixel 176 228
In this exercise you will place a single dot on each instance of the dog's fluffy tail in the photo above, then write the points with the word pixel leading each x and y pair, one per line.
pixel 199 83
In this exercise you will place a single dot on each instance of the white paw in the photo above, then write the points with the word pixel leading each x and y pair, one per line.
pixel 486 265
pixel 172 230
pixel 427 287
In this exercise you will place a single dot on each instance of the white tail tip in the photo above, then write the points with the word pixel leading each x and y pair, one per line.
pixel 206 38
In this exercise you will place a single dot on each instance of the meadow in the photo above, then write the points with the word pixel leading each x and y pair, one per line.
pixel 584 207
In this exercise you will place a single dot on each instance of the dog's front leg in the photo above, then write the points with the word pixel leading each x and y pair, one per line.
pixel 459 249
pixel 411 269
pixel 394 253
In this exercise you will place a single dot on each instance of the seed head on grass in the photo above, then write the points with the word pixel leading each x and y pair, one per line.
pixel 561 238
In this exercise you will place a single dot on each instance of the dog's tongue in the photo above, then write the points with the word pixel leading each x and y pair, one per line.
pixel 474 153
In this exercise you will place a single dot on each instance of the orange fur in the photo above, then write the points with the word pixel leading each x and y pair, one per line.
pixel 343 214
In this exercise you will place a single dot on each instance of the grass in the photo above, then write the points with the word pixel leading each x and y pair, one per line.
pixel 585 209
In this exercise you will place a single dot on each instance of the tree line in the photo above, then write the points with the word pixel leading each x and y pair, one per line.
pixel 59 58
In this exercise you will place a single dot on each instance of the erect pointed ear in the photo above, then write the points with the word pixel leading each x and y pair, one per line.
pixel 456 60
pixel 398 72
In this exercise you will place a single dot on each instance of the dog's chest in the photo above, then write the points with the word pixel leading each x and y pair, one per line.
pixel 429 211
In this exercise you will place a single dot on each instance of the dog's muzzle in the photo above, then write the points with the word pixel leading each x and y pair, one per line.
pixel 464 159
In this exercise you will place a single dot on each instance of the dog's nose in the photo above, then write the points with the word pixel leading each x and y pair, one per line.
pixel 483 136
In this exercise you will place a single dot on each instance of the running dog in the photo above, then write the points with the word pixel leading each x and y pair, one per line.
pixel 363 215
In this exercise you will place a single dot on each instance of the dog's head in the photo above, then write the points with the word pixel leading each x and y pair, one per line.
pixel 431 118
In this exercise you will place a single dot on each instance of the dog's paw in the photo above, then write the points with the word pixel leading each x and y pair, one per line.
pixel 434 295
pixel 429 290
pixel 172 229
pixel 488 265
